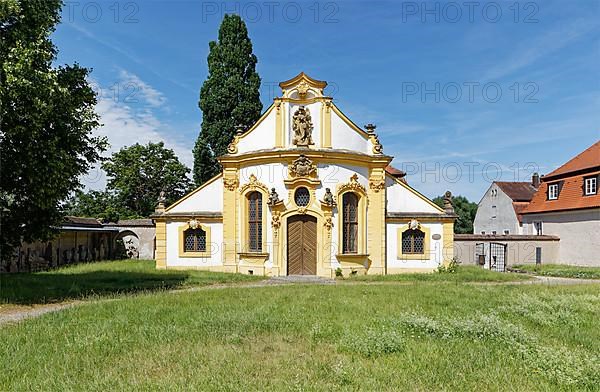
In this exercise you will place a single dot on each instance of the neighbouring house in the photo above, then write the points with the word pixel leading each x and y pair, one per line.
pixel 567 205
pixel 500 209
pixel 85 240
pixel 305 191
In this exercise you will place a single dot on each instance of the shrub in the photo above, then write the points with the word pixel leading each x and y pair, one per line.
pixel 452 266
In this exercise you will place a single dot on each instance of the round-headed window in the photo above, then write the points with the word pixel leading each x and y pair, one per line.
pixel 302 197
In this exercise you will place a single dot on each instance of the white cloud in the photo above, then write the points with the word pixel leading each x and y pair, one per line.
pixel 142 90
pixel 125 125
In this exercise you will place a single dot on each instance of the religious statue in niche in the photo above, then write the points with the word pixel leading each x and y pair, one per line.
pixel 303 127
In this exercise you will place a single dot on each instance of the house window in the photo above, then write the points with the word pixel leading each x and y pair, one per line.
pixel 255 217
pixel 506 232
pixel 538 228
pixel 483 232
pixel 493 211
pixel 194 240
pixel 413 242
pixel 493 232
pixel 350 223
pixel 552 191
pixel 591 186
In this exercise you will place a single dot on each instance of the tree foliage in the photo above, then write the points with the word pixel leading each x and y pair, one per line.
pixel 136 176
pixel 46 121
pixel 465 210
pixel 229 97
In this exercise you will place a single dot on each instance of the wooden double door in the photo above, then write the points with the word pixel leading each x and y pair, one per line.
pixel 302 245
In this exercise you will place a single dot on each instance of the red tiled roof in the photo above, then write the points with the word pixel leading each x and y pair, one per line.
pixel 517 191
pixel 392 171
pixel 570 177
pixel 589 158
pixel 570 197
pixel 519 207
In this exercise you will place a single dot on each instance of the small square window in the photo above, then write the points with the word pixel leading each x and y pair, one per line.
pixel 552 191
pixel 591 186
pixel 506 232
pixel 494 232
pixel 483 232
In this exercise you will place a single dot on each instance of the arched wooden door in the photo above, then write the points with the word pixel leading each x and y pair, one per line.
pixel 302 245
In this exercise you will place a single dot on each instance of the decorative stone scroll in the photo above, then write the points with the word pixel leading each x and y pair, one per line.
pixel 231 183
pixel 302 167
pixel 253 185
pixel 353 186
pixel 377 184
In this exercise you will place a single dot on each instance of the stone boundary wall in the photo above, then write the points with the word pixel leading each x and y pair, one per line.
pixel 520 249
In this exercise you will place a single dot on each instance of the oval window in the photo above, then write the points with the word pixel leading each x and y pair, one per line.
pixel 302 197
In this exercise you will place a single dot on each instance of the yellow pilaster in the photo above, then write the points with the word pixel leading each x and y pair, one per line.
pixel 231 184
pixel 376 236
pixel 161 244
pixel 326 124
pixel 279 128
pixel 448 249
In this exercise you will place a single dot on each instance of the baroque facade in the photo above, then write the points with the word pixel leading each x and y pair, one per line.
pixel 305 192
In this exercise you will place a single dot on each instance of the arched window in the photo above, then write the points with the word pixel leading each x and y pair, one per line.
pixel 255 217
pixel 194 240
pixel 413 242
pixel 350 223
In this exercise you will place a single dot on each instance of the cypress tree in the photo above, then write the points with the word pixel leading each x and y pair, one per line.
pixel 229 97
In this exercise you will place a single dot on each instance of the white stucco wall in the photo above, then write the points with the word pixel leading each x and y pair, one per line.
pixel 262 137
pixel 579 233
pixel 345 138
pixel 209 198
pixel 401 199
pixel 503 218
pixel 430 261
pixel 216 239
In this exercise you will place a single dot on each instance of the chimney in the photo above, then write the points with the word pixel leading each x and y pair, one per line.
pixel 535 180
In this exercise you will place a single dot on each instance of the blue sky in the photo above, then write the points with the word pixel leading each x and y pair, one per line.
pixel 463 93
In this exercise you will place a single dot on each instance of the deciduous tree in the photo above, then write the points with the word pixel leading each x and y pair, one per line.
pixel 46 121
pixel 465 210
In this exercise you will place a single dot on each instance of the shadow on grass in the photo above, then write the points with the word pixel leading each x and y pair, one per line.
pixel 28 289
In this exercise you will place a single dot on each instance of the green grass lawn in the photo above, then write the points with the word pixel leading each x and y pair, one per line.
pixel 563 271
pixel 109 278
pixel 463 274
pixel 428 336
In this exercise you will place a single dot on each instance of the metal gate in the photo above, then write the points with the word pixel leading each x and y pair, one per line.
pixel 497 257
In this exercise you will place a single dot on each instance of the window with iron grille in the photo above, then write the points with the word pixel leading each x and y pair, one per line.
pixel 194 240
pixel 413 242
pixel 302 197
pixel 255 222
pixel 350 223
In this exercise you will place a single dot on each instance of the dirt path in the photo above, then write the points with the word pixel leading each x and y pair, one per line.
pixel 19 313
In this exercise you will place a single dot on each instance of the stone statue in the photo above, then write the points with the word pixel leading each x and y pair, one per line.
pixel 303 127
pixel 448 202
pixel 328 199
pixel 273 198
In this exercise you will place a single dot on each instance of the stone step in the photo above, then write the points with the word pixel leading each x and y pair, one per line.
pixel 302 279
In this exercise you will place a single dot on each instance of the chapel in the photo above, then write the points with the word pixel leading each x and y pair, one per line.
pixel 305 191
